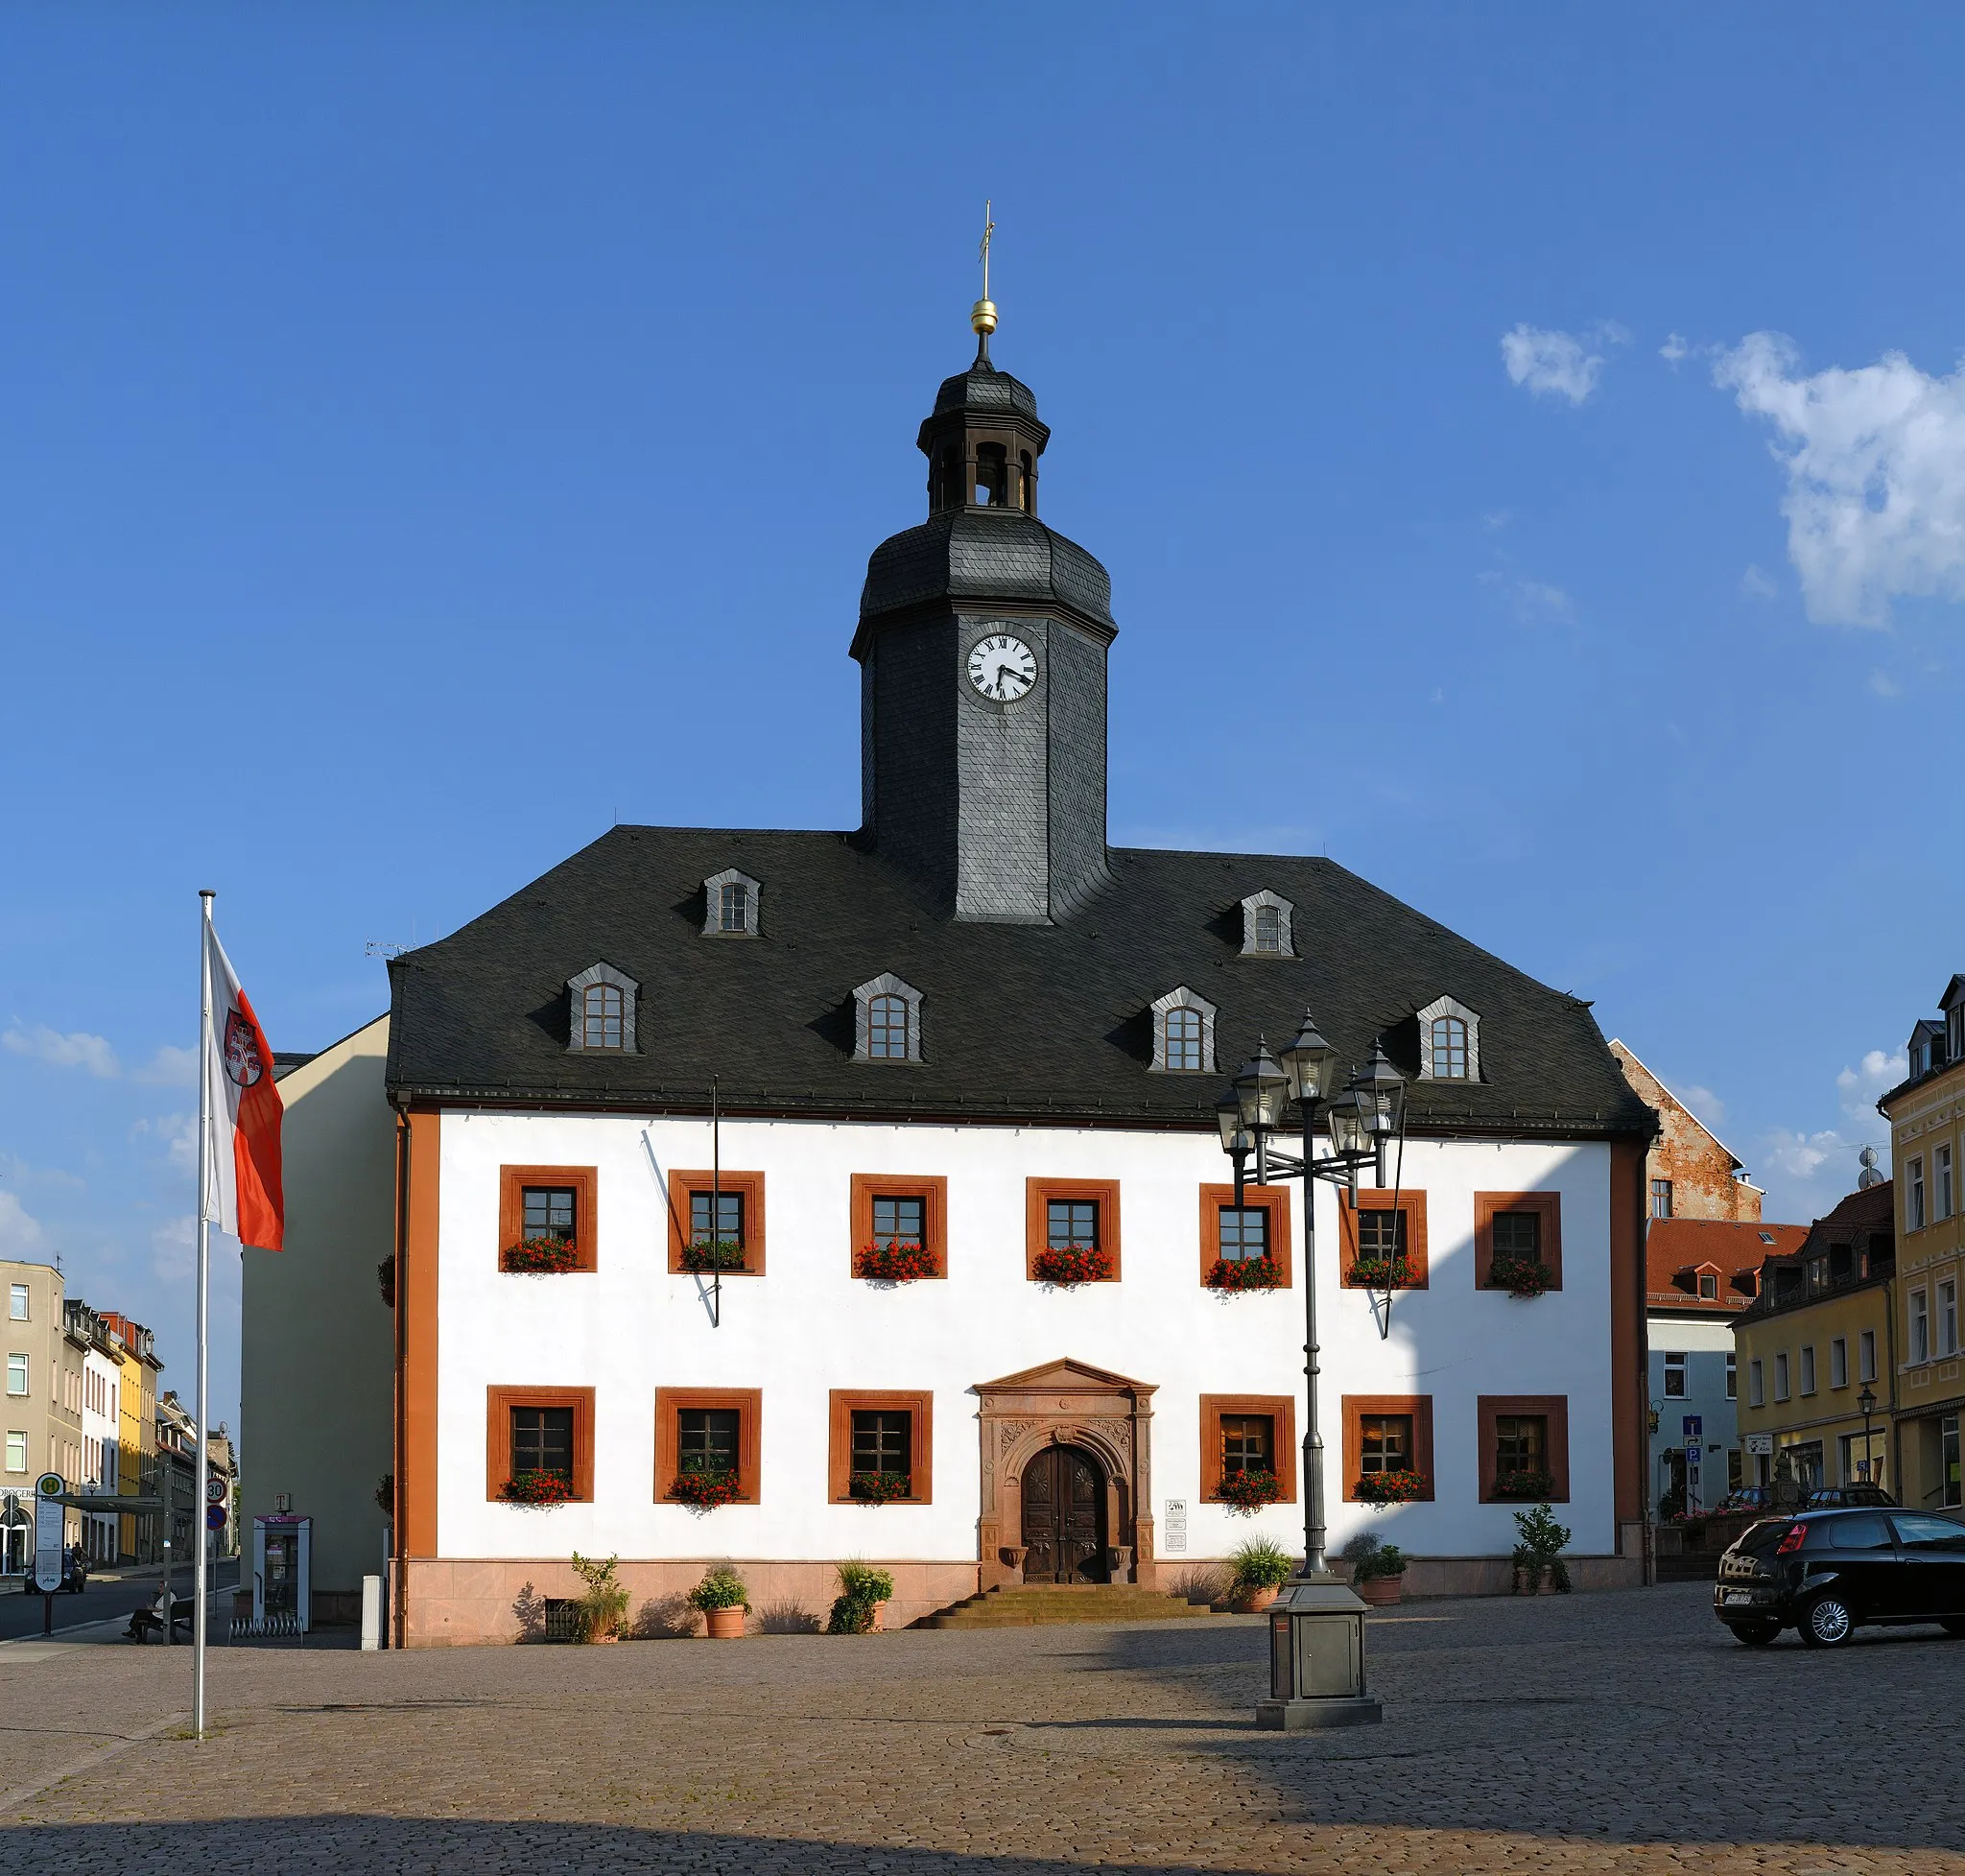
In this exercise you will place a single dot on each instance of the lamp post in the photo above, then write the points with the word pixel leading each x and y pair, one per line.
pixel 1867 1401
pixel 1316 1625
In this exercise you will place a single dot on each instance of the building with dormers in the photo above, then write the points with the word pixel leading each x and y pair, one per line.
pixel 869 1182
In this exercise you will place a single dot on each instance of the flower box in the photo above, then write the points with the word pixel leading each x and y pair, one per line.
pixel 1389 1488
pixel 1248 1492
pixel 1520 1276
pixel 706 1491
pixel 1532 1486
pixel 701 1260
pixel 1382 1273
pixel 1069 1264
pixel 896 1262
pixel 881 1487
pixel 1245 1273
pixel 540 1488
pixel 540 1257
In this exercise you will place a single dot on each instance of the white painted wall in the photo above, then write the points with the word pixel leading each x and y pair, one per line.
pixel 807 1326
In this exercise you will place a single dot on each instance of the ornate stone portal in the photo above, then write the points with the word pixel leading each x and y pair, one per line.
pixel 1067 1403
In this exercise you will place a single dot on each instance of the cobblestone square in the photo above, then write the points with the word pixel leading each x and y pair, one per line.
pixel 1622 1731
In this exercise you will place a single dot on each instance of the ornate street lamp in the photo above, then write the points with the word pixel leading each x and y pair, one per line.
pixel 1316 1625
pixel 1867 1401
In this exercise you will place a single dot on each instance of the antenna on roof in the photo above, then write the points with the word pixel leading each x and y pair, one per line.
pixel 376 948
pixel 1870 1176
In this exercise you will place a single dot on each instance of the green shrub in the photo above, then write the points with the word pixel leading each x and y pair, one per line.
pixel 1372 1557
pixel 603 1607
pixel 1259 1564
pixel 860 1588
pixel 721 1588
pixel 1539 1544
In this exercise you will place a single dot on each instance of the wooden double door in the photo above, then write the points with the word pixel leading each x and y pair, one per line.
pixel 1065 1518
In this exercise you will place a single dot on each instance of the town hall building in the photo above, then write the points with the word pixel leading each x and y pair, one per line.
pixel 790 1196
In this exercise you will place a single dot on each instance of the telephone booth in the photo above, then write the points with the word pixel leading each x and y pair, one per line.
pixel 282 1572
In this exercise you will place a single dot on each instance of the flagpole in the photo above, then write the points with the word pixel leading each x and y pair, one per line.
pixel 204 1092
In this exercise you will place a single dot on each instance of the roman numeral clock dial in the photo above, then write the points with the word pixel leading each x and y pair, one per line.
pixel 1001 668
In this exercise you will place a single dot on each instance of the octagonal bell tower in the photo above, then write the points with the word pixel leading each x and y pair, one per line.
pixel 982 646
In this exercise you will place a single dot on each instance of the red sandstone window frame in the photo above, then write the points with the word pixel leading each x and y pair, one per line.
pixel 748 1403
pixel 683 1185
pixel 1412 1202
pixel 931 1188
pixel 1547 1205
pixel 498 1404
pixel 1273 1199
pixel 1555 1408
pixel 842 1403
pixel 1281 1410
pixel 1037 1197
pixel 584 1181
pixel 1419 1409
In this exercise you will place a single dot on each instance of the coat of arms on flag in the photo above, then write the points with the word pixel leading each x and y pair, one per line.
pixel 244 1062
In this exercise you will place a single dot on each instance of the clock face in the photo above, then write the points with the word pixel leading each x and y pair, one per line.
pixel 1002 667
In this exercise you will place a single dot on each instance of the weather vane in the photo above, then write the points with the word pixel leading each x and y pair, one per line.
pixel 983 315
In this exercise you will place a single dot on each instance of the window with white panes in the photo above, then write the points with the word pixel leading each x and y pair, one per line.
pixel 1808 1369
pixel 1781 1375
pixel 1866 1356
pixel 1948 1317
pixel 16 1452
pixel 16 1373
pixel 1913 1196
pixel 1757 1385
pixel 1838 1362
pixel 1732 1375
pixel 1920 1326
pixel 1675 1388
pixel 1941 1168
pixel 17 1301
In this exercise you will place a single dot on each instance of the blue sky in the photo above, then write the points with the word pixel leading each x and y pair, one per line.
pixel 1528 445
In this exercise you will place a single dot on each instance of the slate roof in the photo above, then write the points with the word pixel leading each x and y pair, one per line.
pixel 987 555
pixel 1018 1021
pixel 1674 1248
pixel 1857 1220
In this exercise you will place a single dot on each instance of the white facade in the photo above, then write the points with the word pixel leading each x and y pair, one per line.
pixel 805 1326
pixel 101 1378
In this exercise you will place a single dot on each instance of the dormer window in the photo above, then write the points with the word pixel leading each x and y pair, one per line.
pixel 1449 1042
pixel 1183 1034
pixel 887 1021
pixel 730 905
pixel 1266 926
pixel 600 1012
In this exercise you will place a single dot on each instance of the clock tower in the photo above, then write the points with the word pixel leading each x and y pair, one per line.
pixel 981 647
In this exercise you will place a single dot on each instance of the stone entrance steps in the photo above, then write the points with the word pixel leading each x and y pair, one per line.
pixel 1054 1602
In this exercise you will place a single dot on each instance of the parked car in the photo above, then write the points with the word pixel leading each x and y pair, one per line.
pixel 1827 1573
pixel 1826 1498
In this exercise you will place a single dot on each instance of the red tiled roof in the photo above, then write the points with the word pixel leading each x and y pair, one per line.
pixel 1677 1248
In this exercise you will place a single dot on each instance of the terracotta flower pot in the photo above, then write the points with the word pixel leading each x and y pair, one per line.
pixel 879 1621
pixel 1379 1591
pixel 724 1625
pixel 1253 1601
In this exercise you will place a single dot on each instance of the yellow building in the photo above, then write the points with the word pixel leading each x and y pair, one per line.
pixel 1926 1114
pixel 1820 1335
pixel 136 1434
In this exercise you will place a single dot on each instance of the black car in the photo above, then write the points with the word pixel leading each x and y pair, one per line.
pixel 1827 1573
pixel 1827 1498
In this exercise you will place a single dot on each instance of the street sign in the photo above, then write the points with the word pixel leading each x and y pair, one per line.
pixel 214 1490
pixel 1174 1527
pixel 48 1516
pixel 1758 1442
pixel 1694 1427
pixel 214 1517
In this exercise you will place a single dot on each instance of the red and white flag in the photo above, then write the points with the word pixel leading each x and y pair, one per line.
pixel 243 1111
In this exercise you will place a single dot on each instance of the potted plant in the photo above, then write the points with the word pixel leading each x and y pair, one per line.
pixel 1245 1273
pixel 1260 1569
pixel 540 1257
pixel 1378 1569
pixel 880 1488
pixel 701 1260
pixel 604 1606
pixel 1533 1484
pixel 1401 1487
pixel 704 1487
pixel 537 1488
pixel 724 1601
pixel 1539 1568
pixel 1246 1492
pixel 895 1261
pixel 1520 1276
pixel 864 1592
pixel 1382 1273
pixel 1072 1264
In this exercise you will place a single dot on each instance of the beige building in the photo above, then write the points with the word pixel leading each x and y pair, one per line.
pixel 40 1409
pixel 318 1424
pixel 1926 1117
pixel 1689 1171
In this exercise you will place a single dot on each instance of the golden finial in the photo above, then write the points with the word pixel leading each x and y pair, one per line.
pixel 983 315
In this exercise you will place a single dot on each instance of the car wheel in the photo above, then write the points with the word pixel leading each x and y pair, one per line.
pixel 1828 1622
pixel 1755 1634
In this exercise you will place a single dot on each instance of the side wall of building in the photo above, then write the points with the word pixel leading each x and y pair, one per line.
pixel 1928 1124
pixel 317 1363
pixel 1706 1343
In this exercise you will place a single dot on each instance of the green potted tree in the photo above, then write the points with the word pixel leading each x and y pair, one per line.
pixel 1378 1569
pixel 603 1605
pixel 1260 1569
pixel 865 1593
pixel 724 1601
pixel 1539 1541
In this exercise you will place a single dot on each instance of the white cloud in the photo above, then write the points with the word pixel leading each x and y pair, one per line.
pixel 20 1233
pixel 1754 584
pixel 1498 518
pixel 1860 1085
pixel 1551 364
pixel 78 1050
pixel 1705 1104
pixel 1674 349
pixel 1807 1170
pixel 174 1249
pixel 1882 684
pixel 1875 461
pixel 177 1134
pixel 169 1068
